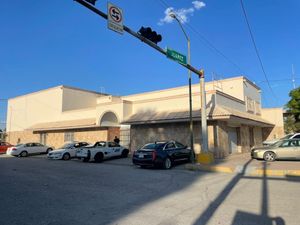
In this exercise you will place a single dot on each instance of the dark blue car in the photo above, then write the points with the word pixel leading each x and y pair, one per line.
pixel 161 154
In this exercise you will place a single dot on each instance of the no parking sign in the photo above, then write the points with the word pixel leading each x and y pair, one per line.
pixel 114 18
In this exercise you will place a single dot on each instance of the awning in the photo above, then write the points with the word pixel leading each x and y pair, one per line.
pixel 66 124
pixel 213 113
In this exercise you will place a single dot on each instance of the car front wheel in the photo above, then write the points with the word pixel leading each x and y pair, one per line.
pixel 98 157
pixel 125 153
pixel 66 156
pixel 269 156
pixel 167 163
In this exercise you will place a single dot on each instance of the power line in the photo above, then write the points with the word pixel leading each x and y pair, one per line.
pixel 256 49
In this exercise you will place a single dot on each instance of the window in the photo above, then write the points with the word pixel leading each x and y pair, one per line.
pixel 249 105
pixel 179 145
pixel 113 144
pixel 297 136
pixel 170 146
pixel 100 144
pixel 69 136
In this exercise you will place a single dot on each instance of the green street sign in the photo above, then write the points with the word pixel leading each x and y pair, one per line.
pixel 176 56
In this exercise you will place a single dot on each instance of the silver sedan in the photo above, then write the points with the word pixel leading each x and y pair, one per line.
pixel 283 149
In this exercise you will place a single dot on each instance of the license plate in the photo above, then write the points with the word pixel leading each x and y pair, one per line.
pixel 141 155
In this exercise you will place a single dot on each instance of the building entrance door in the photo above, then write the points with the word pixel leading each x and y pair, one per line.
pixel 232 140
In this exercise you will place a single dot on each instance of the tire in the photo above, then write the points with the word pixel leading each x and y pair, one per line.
pixel 66 156
pixel 23 154
pixel 98 157
pixel 269 156
pixel 86 159
pixel 125 153
pixel 167 164
pixel 49 150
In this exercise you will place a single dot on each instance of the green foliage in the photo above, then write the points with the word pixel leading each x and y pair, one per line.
pixel 293 107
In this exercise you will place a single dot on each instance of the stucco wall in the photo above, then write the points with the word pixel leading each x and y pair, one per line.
pixel 231 86
pixel 27 110
pixel 275 116
pixel 78 99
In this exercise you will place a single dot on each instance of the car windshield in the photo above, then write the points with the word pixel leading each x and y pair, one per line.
pixel 68 145
pixel 286 137
pixel 19 145
pixel 277 144
pixel 153 146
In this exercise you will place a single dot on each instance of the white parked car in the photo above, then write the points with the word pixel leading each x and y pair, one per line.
pixel 289 136
pixel 67 151
pixel 24 150
pixel 101 150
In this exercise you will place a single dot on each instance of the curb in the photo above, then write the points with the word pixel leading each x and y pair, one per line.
pixel 250 171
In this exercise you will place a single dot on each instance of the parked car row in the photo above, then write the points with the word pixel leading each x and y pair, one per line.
pixel 158 154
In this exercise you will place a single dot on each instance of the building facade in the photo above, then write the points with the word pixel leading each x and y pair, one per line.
pixel 236 121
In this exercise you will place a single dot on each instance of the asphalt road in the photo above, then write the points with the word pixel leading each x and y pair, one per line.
pixel 36 191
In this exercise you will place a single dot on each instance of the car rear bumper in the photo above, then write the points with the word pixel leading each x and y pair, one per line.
pixel 13 153
pixel 146 162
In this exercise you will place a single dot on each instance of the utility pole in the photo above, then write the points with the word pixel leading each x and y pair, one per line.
pixel 203 115
pixel 173 15
pixel 205 157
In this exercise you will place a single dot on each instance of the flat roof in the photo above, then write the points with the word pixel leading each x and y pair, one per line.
pixel 56 87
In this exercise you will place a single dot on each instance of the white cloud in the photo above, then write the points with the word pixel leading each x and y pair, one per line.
pixel 182 14
pixel 198 4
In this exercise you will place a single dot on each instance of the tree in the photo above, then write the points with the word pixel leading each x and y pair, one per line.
pixel 293 108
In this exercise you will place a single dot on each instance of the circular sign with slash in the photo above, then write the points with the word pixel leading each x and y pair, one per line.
pixel 115 14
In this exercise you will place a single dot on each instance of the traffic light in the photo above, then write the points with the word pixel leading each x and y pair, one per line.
pixel 91 1
pixel 147 32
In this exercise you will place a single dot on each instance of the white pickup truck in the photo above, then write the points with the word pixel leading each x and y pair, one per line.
pixel 101 150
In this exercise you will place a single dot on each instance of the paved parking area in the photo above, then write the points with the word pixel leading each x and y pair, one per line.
pixel 38 191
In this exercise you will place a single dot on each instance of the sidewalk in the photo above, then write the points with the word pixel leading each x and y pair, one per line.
pixel 242 163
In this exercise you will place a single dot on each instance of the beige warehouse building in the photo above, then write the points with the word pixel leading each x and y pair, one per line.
pixel 236 121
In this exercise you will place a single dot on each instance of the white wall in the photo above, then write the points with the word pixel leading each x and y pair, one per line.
pixel 78 99
pixel 27 110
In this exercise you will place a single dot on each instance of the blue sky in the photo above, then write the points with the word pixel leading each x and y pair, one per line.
pixel 49 43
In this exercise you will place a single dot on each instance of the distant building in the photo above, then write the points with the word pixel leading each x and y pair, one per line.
pixel 236 121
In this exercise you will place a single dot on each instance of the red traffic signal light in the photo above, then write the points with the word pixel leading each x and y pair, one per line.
pixel 147 32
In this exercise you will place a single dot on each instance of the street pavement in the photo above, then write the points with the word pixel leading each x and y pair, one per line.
pixel 37 191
